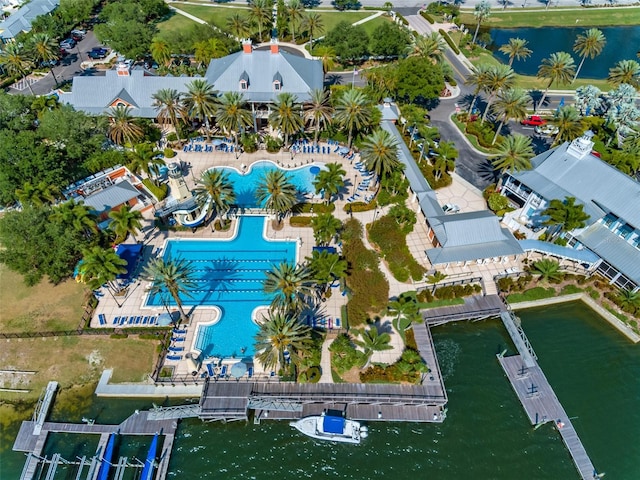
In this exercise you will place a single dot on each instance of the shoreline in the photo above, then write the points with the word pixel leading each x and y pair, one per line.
pixel 606 315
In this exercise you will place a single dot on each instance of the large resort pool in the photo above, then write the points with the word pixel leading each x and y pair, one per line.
pixel 230 276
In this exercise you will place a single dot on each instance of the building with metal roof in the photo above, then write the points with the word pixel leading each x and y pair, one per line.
pixel 20 20
pixel 112 197
pixel 609 197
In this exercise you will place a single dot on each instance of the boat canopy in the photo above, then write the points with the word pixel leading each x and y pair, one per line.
pixel 333 424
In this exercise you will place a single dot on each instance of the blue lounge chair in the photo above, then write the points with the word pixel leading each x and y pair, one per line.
pixel 102 319
pixel 176 349
pixel 177 339
pixel 338 323
pixel 153 321
pixel 131 320
pixel 138 320
pixel 116 320
pixel 123 320
pixel 223 371
pixel 145 320
pixel 174 357
pixel 250 372
pixel 179 332
pixel 210 370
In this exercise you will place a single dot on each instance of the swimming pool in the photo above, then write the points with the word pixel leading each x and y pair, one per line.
pixel 230 275
pixel 244 185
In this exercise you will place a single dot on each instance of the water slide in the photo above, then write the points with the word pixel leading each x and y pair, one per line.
pixel 182 216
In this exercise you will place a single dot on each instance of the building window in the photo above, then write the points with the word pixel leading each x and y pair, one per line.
pixel 624 230
pixel 243 84
pixel 276 86
pixel 609 220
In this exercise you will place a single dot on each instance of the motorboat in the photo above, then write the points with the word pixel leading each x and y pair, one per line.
pixel 330 427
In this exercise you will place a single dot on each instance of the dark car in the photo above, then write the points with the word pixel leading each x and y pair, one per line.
pixel 68 43
pixel 76 36
pixel 534 121
pixel 98 53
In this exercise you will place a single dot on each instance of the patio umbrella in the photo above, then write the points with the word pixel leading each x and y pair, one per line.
pixel 164 319
pixel 217 141
pixel 238 369
pixel 343 150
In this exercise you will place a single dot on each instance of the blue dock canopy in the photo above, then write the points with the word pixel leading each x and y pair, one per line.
pixel 333 424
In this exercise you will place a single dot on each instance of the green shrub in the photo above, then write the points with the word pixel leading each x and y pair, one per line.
pixel 569 289
pixel 169 153
pixel 249 143
pixel 158 191
pixel 428 17
pixel 172 137
pixel 403 20
pixel 344 355
pixel 484 133
pixel 452 81
pixel 273 144
pixel 300 221
pixel 497 202
pixel 449 41
pixel 314 208
pixel 359 207
pixel 119 335
pixel 536 293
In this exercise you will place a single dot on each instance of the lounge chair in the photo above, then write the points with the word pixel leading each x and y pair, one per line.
pixel 174 357
pixel 145 320
pixel 116 320
pixel 176 349
pixel 102 319
pixel 153 320
pixel 177 339
pixel 223 371
pixel 210 370
pixel 138 320
pixel 131 320
pixel 250 372
pixel 338 323
pixel 123 320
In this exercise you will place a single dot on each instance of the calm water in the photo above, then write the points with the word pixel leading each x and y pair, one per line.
pixel 622 44
pixel 230 275
pixel 486 436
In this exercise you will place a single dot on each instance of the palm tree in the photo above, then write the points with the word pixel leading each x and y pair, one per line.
pixel 499 77
pixel 14 60
pixel 317 110
pixel 565 216
pixel 260 12
pixel 442 165
pixel 125 221
pixel 144 158
pixel 353 112
pixel 514 154
pixel 510 104
pixel 373 341
pixel 122 126
pixel 37 195
pixel 168 104
pixel 589 44
pixel 629 300
pixel 238 25
pixel 101 266
pixel 325 227
pixel 478 79
pixel 295 12
pixel 327 55
pixel 588 99
pixel 161 52
pixel 379 153
pixel 625 71
pixel 569 123
pixel 44 49
pixel 200 101
pixel 232 114
pixel 481 12
pixel 327 267
pixel 177 277
pixel 77 216
pixel 205 50
pixel 559 68
pixel 292 286
pixel 215 190
pixel 516 49
pixel 428 46
pixel 286 115
pixel 277 193
pixel 280 333
pixel 330 180
pixel 547 269
pixel 312 23
pixel 405 309
pixel 44 103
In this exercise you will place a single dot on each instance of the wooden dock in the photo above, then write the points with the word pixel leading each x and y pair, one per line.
pixel 477 307
pixel 541 405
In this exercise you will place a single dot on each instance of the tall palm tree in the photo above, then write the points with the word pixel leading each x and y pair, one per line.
pixel 569 123
pixel 161 52
pixel 207 49
pixel 37 194
pixel 295 12
pixel 232 114
pixel 547 269
pixel 260 12
pixel 125 221
pixel 559 68
pixel 444 161
pixel 177 277
pixel 277 193
pixel 123 127
pixel 327 56
pixel 286 115
pixel 625 71
pixel 330 180
pixel 565 215
pixel 215 190
pixel 499 78
pixel 589 44
pixel 373 341
pixel 325 227
pixel 200 101
pixel 588 99
pixel 478 79
pixel 280 333
pixel 353 112
pixel 76 216
pixel 144 158
pixel 318 111
pixel 514 154
pixel 292 286
pixel 15 61
pixel 516 49
pixel 327 267
pixel 239 26
pixel 379 153
pixel 101 266
pixel 312 23
pixel 168 104
pixel 511 104
pixel 44 49
pixel 428 46
pixel 481 12
pixel 406 310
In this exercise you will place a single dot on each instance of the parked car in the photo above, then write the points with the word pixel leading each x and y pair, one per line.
pixel 76 36
pixel 98 53
pixel 451 208
pixel 533 121
pixel 547 129
pixel 82 33
pixel 68 43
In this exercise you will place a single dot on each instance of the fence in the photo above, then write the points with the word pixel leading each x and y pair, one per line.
pixel 85 331
pixel 453 283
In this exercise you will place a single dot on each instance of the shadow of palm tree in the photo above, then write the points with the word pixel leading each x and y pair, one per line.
pixel 486 171
pixel 540 144
pixel 332 79
pixel 536 96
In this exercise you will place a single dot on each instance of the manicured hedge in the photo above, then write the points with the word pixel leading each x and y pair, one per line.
pixel 314 208
pixel 300 221
pixel 402 19
pixel 169 153
pixel 451 43
pixel 428 17
pixel 160 192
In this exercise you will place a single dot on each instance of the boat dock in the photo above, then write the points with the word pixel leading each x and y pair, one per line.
pixel 537 397
pixel 478 307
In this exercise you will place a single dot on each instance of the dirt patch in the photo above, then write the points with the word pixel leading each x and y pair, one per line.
pixel 352 376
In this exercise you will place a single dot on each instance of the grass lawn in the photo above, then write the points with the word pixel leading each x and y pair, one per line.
pixel 536 293
pixel 596 17
pixel 43 307
pixel 213 15
pixel 442 303
pixel 174 23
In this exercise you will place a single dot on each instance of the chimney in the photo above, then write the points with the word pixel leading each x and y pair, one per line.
pixel 122 69
pixel 246 46
pixel 275 48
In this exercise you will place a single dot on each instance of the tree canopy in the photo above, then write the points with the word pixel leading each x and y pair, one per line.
pixel 349 42
pixel 419 80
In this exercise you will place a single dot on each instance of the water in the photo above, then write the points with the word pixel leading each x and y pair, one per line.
pixel 244 185
pixel 230 276
pixel 622 44
pixel 593 369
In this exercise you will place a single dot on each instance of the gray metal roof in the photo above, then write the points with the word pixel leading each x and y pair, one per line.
pixel 597 185
pixel 584 255
pixel 111 196
pixel 469 253
pixel 20 20
pixel 299 75
pixel 613 249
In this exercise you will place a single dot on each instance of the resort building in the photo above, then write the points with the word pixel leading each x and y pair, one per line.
pixel 260 75
pixel 609 197
pixel 20 20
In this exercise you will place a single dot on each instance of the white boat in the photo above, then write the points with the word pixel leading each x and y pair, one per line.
pixel 331 427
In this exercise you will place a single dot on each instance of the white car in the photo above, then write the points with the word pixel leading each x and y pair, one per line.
pixel 451 208
pixel 547 129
